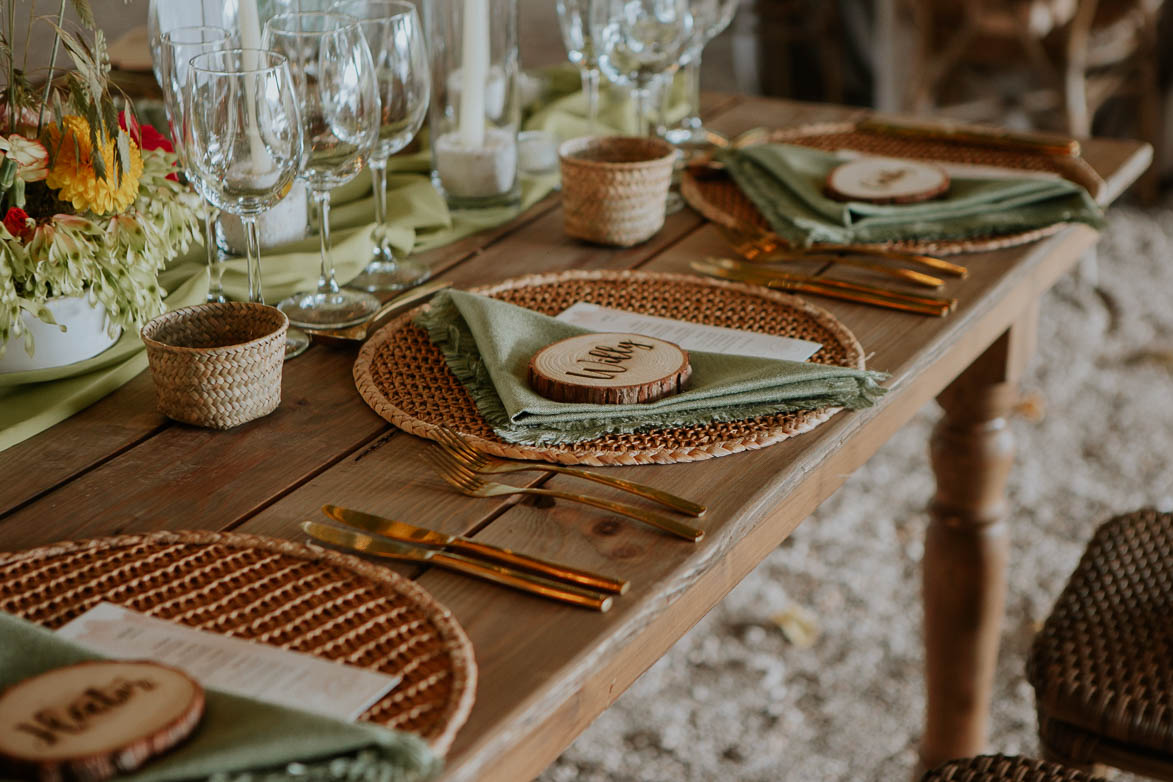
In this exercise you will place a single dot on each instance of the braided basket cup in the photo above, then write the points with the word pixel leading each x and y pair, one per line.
pixel 217 365
pixel 614 188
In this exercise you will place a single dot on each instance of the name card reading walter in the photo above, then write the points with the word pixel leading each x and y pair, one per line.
pixel 234 665
pixel 95 719
pixel 608 368
pixel 690 336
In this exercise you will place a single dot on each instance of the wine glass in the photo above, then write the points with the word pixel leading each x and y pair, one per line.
pixel 334 79
pixel 176 49
pixel 163 16
pixel 639 42
pixel 710 19
pixel 243 134
pixel 574 17
pixel 396 40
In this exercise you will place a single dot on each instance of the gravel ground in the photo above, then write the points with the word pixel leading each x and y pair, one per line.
pixel 735 700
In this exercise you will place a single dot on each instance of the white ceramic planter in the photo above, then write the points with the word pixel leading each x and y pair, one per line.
pixel 85 336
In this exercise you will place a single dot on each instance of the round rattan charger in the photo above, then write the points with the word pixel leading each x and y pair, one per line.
pixel 720 200
pixel 404 378
pixel 275 592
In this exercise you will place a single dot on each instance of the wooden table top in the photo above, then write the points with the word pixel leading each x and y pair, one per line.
pixel 545 670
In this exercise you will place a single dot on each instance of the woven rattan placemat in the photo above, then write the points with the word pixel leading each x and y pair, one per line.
pixel 403 377
pixel 721 201
pixel 276 592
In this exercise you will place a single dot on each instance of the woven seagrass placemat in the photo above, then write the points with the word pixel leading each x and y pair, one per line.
pixel 721 201
pixel 403 377
pixel 276 592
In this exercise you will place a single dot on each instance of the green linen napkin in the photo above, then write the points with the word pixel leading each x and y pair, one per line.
pixel 33 401
pixel 785 183
pixel 488 343
pixel 240 738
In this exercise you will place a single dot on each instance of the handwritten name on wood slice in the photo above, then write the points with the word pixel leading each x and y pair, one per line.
pixel 93 720
pixel 887 181
pixel 609 369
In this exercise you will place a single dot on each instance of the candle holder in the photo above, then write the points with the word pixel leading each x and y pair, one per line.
pixel 475 111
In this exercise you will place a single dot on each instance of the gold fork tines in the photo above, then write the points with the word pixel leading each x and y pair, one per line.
pixel 466 481
pixel 481 462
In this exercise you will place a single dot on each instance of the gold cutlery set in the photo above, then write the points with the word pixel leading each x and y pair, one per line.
pixel 461 464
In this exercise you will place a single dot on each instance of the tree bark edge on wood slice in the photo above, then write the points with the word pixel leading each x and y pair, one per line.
pixel 609 369
pixel 880 180
pixel 93 720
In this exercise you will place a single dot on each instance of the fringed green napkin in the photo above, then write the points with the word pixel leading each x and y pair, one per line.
pixel 785 183
pixel 241 739
pixel 488 344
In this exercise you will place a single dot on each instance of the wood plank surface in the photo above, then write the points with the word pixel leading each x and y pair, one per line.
pixel 546 670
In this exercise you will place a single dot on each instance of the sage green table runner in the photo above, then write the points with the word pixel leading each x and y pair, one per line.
pixel 488 344
pixel 240 738
pixel 785 182
pixel 35 400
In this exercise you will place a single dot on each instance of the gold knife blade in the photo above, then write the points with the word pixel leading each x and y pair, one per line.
pixel 404 300
pixel 498 574
pixel 420 536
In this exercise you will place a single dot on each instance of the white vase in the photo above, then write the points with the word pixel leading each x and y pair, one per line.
pixel 86 336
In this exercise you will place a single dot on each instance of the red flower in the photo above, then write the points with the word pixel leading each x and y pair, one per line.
pixel 18 223
pixel 144 135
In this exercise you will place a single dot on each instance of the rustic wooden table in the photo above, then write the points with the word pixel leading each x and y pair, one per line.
pixel 546 670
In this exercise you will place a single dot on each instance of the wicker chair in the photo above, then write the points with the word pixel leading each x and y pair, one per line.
pixel 1102 666
pixel 1004 768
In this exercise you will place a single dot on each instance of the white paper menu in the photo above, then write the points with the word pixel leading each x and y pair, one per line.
pixel 690 336
pixel 233 665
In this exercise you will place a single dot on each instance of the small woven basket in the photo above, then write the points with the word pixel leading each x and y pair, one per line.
pixel 614 187
pixel 217 365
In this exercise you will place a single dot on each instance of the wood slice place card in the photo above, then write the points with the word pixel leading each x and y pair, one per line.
pixel 609 369
pixel 886 181
pixel 96 719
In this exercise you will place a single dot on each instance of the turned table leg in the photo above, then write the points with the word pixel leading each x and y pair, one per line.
pixel 972 453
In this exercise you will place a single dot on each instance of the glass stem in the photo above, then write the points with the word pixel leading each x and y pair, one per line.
pixel 692 84
pixel 590 85
pixel 252 254
pixel 379 188
pixel 215 270
pixel 642 109
pixel 326 282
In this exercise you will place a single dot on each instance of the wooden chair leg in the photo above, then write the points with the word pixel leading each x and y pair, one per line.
pixel 966 545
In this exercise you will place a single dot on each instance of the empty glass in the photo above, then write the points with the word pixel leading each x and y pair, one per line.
pixel 163 16
pixel 243 135
pixel 640 41
pixel 710 18
pixel 176 49
pixel 334 81
pixel 396 40
pixel 574 17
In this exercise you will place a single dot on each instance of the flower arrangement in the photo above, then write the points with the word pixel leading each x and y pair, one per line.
pixel 89 201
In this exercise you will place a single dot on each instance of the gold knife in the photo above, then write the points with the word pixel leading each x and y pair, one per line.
pixel 361 331
pixel 982 135
pixel 419 536
pixel 525 582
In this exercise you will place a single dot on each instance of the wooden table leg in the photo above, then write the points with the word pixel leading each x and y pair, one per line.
pixel 965 548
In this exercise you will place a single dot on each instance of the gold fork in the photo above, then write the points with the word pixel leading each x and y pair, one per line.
pixel 751 250
pixel 484 463
pixel 468 482
pixel 761 241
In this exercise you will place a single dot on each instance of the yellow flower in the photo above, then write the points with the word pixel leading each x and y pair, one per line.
pixel 73 175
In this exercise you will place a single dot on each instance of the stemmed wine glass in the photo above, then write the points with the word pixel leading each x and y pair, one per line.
pixel 639 42
pixel 574 17
pixel 396 40
pixel 243 135
pixel 176 49
pixel 334 81
pixel 710 19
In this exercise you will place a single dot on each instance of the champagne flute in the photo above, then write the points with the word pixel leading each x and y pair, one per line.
pixel 396 40
pixel 243 134
pixel 710 19
pixel 334 79
pixel 574 17
pixel 176 49
pixel 640 42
